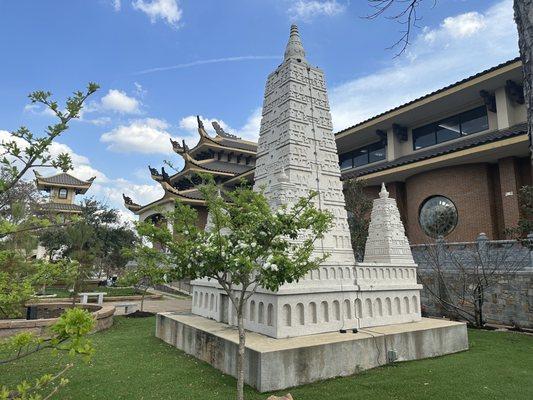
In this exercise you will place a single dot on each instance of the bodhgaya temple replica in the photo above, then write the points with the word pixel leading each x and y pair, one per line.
pixel 316 328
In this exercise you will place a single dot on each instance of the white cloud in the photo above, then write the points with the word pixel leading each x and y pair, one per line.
pixel 116 4
pixel 118 101
pixel 148 136
pixel 38 109
pixel 462 46
pixel 111 193
pixel 457 27
pixel 139 90
pixel 306 10
pixel 81 167
pixel 168 10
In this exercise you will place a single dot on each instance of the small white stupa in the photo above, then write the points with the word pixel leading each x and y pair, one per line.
pixel 387 274
pixel 386 242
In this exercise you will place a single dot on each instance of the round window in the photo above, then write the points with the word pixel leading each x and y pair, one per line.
pixel 438 216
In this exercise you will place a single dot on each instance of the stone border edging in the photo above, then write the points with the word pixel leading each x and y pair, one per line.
pixel 106 299
pixel 103 316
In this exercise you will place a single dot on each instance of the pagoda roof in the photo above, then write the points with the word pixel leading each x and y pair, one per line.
pixel 221 166
pixel 61 207
pixel 230 172
pixel 222 139
pixel 62 180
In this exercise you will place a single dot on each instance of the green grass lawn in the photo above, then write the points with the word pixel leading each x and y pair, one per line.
pixel 131 363
pixel 110 291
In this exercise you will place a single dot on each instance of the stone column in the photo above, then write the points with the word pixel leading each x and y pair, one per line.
pixel 509 186
pixel 504 110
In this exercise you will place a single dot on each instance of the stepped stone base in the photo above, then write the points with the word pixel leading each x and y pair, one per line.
pixel 275 364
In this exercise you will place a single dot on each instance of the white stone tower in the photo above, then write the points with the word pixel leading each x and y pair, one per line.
pixel 297 154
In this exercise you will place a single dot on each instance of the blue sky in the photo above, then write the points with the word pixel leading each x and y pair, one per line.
pixel 161 62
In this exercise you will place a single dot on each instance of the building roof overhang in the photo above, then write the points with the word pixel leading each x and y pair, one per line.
pixel 487 148
pixel 457 96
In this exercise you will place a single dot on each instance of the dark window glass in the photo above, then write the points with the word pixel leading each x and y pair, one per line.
pixel 346 161
pixel 448 129
pixel 474 121
pixel 376 152
pixel 360 157
pixel 364 155
pixel 63 193
pixel 424 136
pixel 463 124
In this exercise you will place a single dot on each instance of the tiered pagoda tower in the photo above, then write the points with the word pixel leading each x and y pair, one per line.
pixel 63 189
pixel 297 154
pixel 227 157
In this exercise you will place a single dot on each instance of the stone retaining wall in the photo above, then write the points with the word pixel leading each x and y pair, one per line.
pixel 102 314
pixel 509 302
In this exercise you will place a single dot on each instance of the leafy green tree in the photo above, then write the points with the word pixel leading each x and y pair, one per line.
pixel 145 275
pixel 358 206
pixel 94 241
pixel 68 334
pixel 247 245
pixel 20 279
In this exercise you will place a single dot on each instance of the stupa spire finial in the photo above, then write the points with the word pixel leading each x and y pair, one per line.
pixel 383 193
pixel 295 49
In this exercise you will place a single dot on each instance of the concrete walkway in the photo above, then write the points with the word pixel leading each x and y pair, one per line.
pixel 167 303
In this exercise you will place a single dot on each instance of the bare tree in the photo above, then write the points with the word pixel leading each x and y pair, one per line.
pixel 459 277
pixel 405 15
pixel 405 12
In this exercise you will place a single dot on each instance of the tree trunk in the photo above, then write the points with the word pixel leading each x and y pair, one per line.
pixel 478 306
pixel 523 15
pixel 240 356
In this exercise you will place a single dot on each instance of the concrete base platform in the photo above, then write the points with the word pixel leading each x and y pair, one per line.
pixel 275 364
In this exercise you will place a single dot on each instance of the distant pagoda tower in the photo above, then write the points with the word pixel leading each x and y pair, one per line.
pixel 297 154
pixel 63 189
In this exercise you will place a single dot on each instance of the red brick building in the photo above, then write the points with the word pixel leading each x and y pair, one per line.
pixel 454 159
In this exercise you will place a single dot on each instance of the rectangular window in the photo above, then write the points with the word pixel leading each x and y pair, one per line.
pixel 346 161
pixel 362 156
pixel 459 125
pixel 424 136
pixel 448 129
pixel 474 121
pixel 376 152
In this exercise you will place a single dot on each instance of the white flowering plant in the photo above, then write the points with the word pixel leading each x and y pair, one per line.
pixel 246 245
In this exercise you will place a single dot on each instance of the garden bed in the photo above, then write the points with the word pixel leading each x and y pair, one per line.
pixel 50 313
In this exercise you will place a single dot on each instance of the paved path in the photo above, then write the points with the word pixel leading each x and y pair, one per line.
pixel 167 303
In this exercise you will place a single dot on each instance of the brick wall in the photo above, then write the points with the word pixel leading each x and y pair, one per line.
pixel 509 186
pixel 481 192
pixel 468 186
